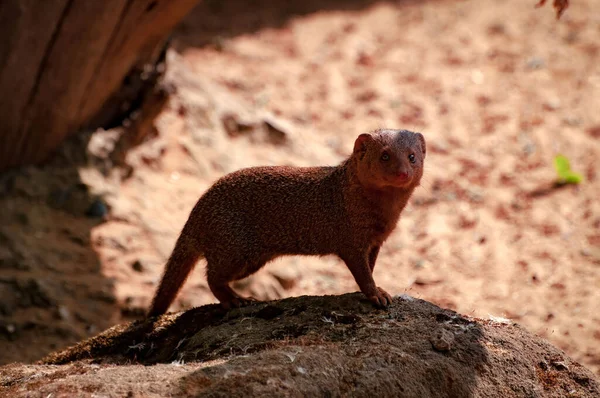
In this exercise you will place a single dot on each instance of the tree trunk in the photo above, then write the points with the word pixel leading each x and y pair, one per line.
pixel 62 60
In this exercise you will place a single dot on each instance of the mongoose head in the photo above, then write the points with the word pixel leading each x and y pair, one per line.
pixel 390 158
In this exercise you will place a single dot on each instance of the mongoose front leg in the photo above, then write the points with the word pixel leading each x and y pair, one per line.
pixel 358 264
pixel 373 257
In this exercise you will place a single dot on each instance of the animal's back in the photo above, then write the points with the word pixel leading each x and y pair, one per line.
pixel 281 210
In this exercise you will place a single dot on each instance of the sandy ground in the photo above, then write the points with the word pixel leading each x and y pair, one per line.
pixel 498 88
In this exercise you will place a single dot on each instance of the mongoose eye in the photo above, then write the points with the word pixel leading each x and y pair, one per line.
pixel 385 156
pixel 412 158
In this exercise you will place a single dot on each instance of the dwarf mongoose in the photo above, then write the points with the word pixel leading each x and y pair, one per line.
pixel 254 215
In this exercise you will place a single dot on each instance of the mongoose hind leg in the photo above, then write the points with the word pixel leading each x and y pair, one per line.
pixel 228 297
pixel 220 274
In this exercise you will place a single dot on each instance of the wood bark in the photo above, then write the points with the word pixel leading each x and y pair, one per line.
pixel 62 60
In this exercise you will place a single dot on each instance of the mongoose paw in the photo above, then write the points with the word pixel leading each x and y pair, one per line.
pixel 381 299
pixel 238 302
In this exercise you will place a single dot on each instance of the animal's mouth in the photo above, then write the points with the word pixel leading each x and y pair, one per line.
pixel 401 180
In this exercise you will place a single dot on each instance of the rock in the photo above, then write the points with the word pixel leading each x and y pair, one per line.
pixel 310 346
pixel 560 365
pixel 535 63
pixel 64 313
pixel 573 121
pixel 235 125
pixel 97 209
pixel 138 266
pixel 102 143
pixel 442 340
pixel 278 130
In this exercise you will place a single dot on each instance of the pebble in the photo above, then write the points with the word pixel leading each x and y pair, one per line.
pixel 278 130
pixel 97 209
pixel 443 340
pixel 137 266
pixel 64 313
pixel 420 263
pixel 535 63
pixel 560 365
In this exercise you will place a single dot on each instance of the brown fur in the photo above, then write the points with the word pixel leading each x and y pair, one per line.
pixel 254 215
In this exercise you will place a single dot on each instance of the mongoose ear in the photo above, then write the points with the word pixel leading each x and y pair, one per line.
pixel 422 141
pixel 360 145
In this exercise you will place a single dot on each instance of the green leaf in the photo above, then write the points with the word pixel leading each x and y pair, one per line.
pixel 573 178
pixel 562 166
pixel 563 169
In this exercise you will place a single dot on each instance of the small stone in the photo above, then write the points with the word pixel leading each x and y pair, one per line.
pixel 64 313
pixel 137 266
pixel 529 148
pixel 572 121
pixel 560 365
pixel 476 195
pixel 97 209
pixel 278 131
pixel 235 124
pixel 552 104
pixel 442 340
pixel 450 196
pixel 406 297
pixel 92 329
pixel 535 63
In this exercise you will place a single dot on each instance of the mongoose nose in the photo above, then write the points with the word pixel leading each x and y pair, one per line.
pixel 402 176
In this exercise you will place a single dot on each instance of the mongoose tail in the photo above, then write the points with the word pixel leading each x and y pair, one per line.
pixel 178 267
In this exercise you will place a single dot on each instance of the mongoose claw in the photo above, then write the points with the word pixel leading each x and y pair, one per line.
pixel 381 299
